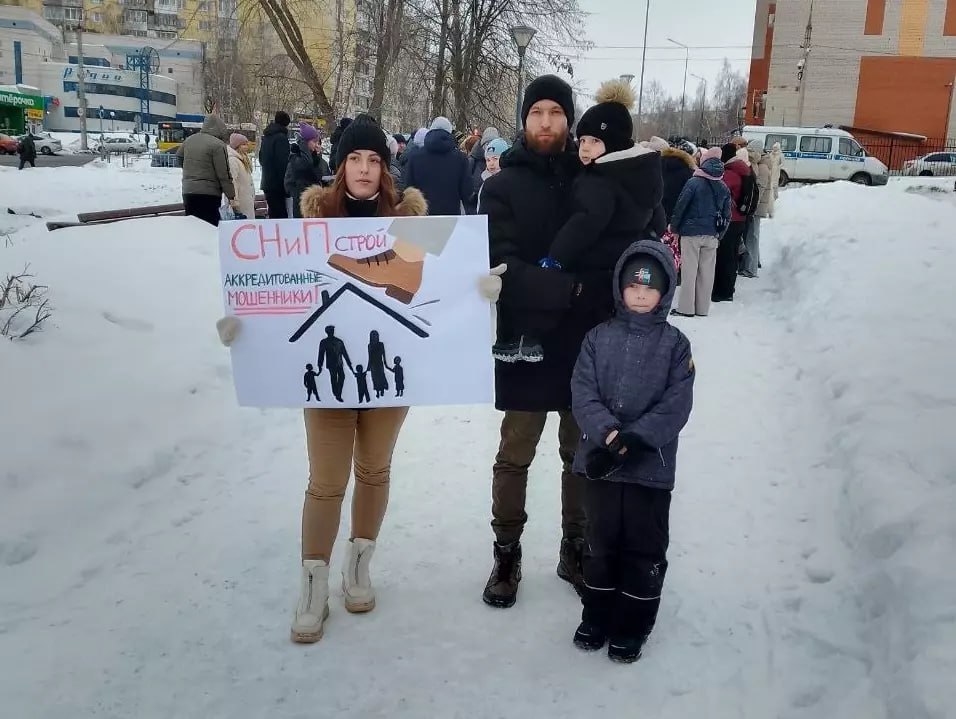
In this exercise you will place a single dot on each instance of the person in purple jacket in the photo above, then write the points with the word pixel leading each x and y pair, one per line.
pixel 631 394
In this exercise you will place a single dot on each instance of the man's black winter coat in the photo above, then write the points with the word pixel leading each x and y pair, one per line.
pixel 306 168
pixel 274 158
pixel 677 167
pixel 440 171
pixel 527 203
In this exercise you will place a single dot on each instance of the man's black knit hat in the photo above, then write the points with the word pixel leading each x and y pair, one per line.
pixel 548 87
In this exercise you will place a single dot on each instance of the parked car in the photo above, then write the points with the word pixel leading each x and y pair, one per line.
pixel 820 154
pixel 121 144
pixel 935 164
pixel 8 145
pixel 45 143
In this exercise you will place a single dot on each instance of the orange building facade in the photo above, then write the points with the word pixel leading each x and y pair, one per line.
pixel 882 66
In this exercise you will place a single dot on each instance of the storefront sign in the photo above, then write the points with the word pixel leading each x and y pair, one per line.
pixel 19 100
pixel 35 114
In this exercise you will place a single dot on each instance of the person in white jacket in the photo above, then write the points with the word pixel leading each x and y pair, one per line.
pixel 240 167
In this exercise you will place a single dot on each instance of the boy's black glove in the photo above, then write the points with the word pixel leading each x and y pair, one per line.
pixel 633 443
pixel 602 463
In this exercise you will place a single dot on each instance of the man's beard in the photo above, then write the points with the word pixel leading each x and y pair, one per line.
pixel 552 146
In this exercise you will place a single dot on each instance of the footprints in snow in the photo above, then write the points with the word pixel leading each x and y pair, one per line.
pixel 18 551
pixel 128 323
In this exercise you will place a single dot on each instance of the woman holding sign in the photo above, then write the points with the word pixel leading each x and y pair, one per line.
pixel 340 439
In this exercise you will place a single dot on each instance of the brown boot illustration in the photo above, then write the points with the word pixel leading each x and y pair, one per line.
pixel 398 270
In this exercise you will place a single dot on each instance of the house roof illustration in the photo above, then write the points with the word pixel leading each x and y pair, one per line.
pixel 328 300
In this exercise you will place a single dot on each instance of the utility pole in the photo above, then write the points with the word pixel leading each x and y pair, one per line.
pixel 640 92
pixel 81 85
pixel 703 105
pixel 683 97
pixel 802 66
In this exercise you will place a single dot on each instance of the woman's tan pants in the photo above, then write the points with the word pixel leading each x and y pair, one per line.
pixel 334 437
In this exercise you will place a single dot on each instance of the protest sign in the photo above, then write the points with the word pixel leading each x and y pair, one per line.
pixel 358 312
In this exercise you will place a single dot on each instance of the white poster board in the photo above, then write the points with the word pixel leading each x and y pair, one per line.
pixel 357 313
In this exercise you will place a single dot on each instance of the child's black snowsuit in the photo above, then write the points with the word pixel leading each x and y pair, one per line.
pixel 616 201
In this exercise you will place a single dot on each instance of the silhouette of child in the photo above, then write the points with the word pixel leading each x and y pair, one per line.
pixel 361 379
pixel 399 373
pixel 309 381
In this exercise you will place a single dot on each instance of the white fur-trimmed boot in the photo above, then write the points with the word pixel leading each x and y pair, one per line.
pixel 313 607
pixel 356 583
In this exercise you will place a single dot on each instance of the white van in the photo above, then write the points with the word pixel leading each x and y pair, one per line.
pixel 820 154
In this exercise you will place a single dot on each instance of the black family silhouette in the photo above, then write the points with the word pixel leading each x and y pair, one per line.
pixel 310 387
pixel 399 373
pixel 332 351
pixel 361 379
pixel 377 364
pixel 334 356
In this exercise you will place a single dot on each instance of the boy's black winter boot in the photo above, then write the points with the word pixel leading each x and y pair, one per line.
pixel 595 618
pixel 502 588
pixel 571 562
pixel 634 620
pixel 626 650
pixel 590 637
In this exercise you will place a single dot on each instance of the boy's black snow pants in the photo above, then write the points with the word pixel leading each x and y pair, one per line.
pixel 626 560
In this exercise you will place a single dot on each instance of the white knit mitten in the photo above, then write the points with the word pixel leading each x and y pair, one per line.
pixel 490 285
pixel 228 329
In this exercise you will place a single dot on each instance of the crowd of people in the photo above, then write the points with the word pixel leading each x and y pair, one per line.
pixel 591 238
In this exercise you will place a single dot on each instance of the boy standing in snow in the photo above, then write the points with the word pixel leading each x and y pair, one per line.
pixel 632 393
pixel 615 201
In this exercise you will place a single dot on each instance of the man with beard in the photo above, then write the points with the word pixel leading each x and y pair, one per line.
pixel 527 203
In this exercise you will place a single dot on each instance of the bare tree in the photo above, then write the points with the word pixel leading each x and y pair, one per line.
pixel 474 61
pixel 286 25
pixel 730 96
pixel 387 18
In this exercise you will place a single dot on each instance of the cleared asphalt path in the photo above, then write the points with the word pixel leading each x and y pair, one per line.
pixel 49 160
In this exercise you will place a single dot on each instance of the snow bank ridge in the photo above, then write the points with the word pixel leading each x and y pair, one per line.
pixel 869 299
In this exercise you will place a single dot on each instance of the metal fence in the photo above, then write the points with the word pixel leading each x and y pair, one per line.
pixel 912 155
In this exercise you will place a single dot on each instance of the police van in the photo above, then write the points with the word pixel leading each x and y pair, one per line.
pixel 820 154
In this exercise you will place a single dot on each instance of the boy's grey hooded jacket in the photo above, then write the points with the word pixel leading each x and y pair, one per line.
pixel 635 374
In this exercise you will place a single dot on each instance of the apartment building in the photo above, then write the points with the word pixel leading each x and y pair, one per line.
pixel 887 66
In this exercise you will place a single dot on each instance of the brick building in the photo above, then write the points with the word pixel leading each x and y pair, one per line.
pixel 883 66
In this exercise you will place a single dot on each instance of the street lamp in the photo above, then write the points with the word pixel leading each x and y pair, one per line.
pixel 522 36
pixel 627 78
pixel 683 97
pixel 703 102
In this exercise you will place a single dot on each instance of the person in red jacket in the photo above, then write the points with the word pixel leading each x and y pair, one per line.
pixel 736 168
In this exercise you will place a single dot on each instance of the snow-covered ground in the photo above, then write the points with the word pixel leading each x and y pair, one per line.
pixel 149 528
pixel 62 192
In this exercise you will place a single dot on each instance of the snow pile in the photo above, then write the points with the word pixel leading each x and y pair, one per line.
pixel 866 290
pixel 65 191
pixel 149 528
pixel 122 367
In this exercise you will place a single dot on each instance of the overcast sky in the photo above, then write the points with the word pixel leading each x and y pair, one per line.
pixel 714 29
